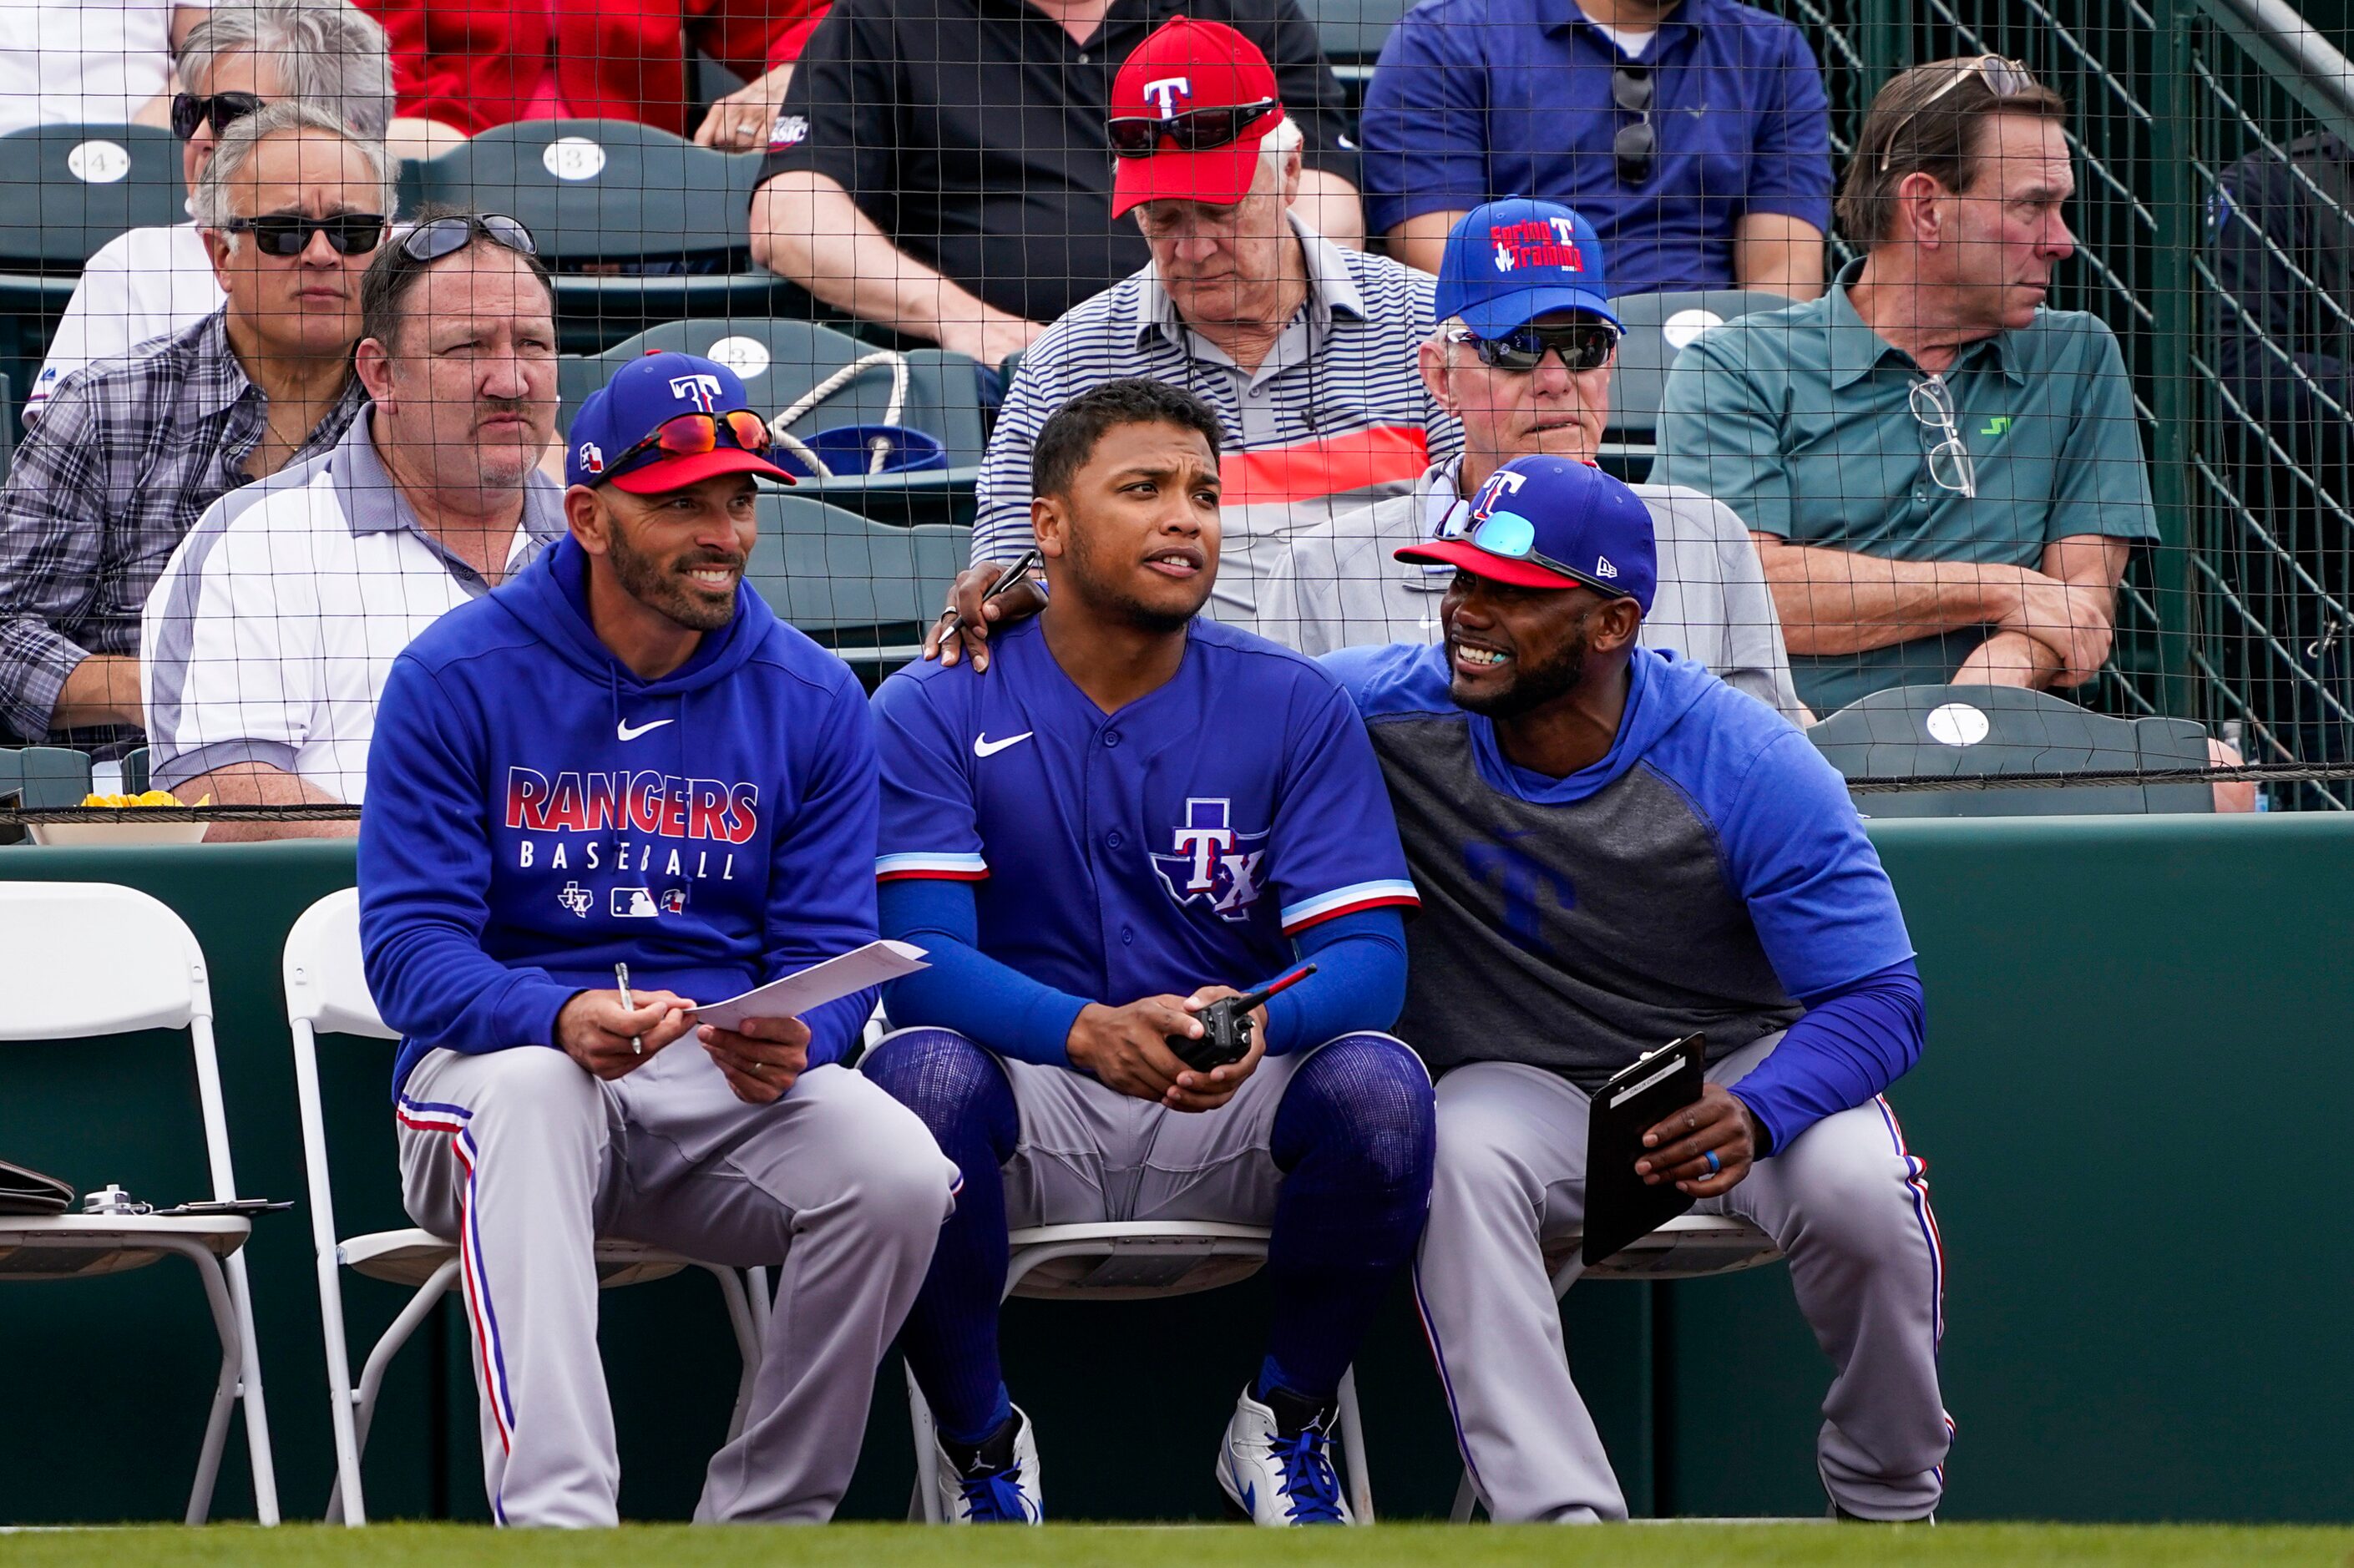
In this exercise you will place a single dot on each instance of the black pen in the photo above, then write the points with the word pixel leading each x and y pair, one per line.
pixel 1018 572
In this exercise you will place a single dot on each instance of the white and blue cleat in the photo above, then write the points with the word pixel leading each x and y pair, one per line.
pixel 1278 1470
pixel 995 1483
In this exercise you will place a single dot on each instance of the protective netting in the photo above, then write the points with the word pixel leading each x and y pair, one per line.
pixel 1992 417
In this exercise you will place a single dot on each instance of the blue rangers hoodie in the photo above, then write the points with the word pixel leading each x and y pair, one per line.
pixel 537 812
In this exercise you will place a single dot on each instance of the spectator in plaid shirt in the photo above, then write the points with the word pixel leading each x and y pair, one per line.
pixel 131 450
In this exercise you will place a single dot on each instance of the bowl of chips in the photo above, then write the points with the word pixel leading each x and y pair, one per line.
pixel 123 831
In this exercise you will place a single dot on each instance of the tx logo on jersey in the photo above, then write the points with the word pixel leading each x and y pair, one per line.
pixel 702 390
pixel 1166 93
pixel 1214 864
pixel 576 900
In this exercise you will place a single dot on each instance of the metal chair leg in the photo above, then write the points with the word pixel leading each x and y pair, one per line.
pixel 257 1410
pixel 208 1457
pixel 926 1504
pixel 1352 1439
pixel 742 1320
pixel 429 1297
pixel 1464 1497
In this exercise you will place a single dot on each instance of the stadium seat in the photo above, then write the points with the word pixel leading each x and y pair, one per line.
pixel 68 190
pixel 639 225
pixel 849 582
pixel 1689 1246
pixel 114 960
pixel 1658 326
pixel 1133 1261
pixel 7 426
pixel 326 993
pixel 41 777
pixel 1351 32
pixel 1967 731
pixel 782 362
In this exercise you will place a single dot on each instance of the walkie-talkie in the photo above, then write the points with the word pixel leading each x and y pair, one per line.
pixel 1226 1026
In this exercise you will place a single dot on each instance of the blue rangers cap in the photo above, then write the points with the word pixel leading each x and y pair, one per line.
pixel 1510 261
pixel 666 421
pixel 1552 522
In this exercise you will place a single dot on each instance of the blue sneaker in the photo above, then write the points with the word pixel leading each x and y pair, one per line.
pixel 995 1482
pixel 1278 1468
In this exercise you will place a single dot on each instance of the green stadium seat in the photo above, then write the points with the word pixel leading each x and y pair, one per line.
pixel 41 777
pixel 68 190
pixel 1658 328
pixel 639 225
pixel 864 588
pixel 1969 731
pixel 782 361
pixel 1351 32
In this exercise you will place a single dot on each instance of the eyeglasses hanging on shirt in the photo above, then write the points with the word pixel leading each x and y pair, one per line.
pixel 1949 459
pixel 1637 143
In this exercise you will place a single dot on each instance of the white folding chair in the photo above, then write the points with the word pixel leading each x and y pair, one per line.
pixel 326 993
pixel 1133 1261
pixel 1691 1246
pixel 95 958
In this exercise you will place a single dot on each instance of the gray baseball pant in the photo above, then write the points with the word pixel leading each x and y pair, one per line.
pixel 526 1159
pixel 1845 1202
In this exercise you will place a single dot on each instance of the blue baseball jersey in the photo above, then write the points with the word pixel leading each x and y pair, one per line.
pixel 1178 843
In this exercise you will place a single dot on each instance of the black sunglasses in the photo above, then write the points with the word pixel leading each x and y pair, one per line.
pixel 1583 345
pixel 286 234
pixel 439 237
pixel 1196 131
pixel 191 110
pixel 1636 144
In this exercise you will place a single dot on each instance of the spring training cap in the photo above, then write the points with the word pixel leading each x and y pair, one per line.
pixel 1187 65
pixel 1510 261
pixel 642 396
pixel 1592 530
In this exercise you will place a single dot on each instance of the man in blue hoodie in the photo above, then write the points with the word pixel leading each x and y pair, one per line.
pixel 623 756
pixel 1615 849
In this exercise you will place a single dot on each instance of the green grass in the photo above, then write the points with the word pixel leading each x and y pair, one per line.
pixel 1399 1546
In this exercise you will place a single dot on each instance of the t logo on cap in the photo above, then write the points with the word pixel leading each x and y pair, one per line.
pixel 1166 92
pixel 703 389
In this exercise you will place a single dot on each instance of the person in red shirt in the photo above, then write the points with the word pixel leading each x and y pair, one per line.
pixel 469 66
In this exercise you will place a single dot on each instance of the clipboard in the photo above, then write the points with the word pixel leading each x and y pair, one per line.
pixel 1620 1209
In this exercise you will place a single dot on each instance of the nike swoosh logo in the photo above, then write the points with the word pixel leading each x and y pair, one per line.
pixel 984 747
pixel 624 728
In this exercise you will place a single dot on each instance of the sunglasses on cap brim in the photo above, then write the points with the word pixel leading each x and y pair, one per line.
pixel 191 110
pixel 1583 345
pixel 1512 537
pixel 1195 131
pixel 287 234
pixel 696 435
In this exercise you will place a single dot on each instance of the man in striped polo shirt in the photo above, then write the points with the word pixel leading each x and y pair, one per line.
pixel 1305 350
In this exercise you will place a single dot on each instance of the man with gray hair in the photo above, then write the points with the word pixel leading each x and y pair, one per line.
pixel 132 450
pixel 270 636
pixel 1305 349
pixel 146 282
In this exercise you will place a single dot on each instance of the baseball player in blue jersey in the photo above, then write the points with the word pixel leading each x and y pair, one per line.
pixel 621 756
pixel 1133 813
pixel 1615 849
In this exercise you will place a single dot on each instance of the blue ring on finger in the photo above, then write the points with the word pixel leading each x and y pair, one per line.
pixel 1714 1164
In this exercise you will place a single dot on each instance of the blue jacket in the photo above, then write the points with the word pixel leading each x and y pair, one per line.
pixel 535 812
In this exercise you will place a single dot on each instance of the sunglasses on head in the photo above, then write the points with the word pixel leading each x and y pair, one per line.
pixel 1514 537
pixel 1636 144
pixel 1196 131
pixel 692 435
pixel 438 237
pixel 190 110
pixel 2003 78
pixel 287 234
pixel 1583 346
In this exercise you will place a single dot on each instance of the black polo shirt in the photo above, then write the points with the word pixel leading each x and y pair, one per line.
pixel 971 132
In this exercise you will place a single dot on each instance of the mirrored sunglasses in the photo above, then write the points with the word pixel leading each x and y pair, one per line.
pixel 1583 345
pixel 692 435
pixel 439 237
pixel 1196 131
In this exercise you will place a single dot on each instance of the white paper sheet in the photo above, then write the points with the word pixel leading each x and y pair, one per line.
pixel 817 985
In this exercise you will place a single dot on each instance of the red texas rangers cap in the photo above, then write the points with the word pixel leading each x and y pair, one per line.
pixel 1175 131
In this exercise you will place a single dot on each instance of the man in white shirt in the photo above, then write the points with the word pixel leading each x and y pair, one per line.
pixel 267 640
pixel 1340 588
pixel 148 282
pixel 70 62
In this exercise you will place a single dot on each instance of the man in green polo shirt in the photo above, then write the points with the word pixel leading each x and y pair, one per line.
pixel 1945 479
